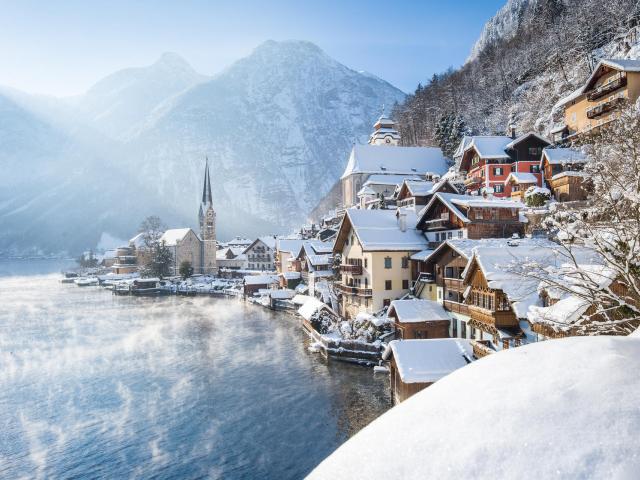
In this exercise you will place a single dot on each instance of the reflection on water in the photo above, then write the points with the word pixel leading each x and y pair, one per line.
pixel 120 387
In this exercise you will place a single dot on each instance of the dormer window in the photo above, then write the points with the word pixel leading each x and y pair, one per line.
pixel 382 168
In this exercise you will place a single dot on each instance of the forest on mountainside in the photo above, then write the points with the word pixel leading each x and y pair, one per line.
pixel 517 78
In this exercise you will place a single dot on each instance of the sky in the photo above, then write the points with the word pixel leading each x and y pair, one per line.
pixel 62 48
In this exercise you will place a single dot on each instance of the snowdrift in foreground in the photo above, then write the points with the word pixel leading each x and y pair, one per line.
pixel 562 408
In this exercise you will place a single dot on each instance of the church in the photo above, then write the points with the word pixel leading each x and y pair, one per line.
pixel 384 161
pixel 188 246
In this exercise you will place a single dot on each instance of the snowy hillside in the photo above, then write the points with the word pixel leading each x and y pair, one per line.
pixel 277 127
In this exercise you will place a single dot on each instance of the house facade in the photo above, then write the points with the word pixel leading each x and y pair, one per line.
pixel 261 254
pixel 563 170
pixel 613 83
pixel 487 161
pixel 185 246
pixel 374 247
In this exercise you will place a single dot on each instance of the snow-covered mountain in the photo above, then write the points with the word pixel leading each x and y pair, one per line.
pixel 277 127
pixel 503 25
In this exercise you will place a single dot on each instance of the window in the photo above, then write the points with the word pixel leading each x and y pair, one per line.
pixel 535 150
pixel 405 262
pixel 386 302
pixel 498 171
pixel 498 188
pixel 405 284
pixel 449 235
pixel 534 169
pixel 387 284
pixel 366 282
pixel 387 262
pixel 479 215
pixel 365 263
pixel 454 328
pixel 459 233
pixel 448 272
pixel 463 330
pixel 437 237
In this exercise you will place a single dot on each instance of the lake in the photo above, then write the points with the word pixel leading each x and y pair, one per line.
pixel 96 385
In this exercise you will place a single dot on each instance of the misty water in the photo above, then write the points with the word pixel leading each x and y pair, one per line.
pixel 95 385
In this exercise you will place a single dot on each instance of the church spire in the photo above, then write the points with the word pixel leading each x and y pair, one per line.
pixel 207 198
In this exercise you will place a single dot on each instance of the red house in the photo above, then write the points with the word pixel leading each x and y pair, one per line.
pixel 488 161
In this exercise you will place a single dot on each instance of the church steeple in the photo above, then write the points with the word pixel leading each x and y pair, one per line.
pixel 384 132
pixel 207 214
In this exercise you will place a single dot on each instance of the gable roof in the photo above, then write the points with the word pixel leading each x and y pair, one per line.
pixel 490 146
pixel 560 156
pixel 524 136
pixel 395 160
pixel 269 241
pixel 173 236
pixel 391 179
pixel 522 177
pixel 414 311
pixel 427 361
pixel 378 230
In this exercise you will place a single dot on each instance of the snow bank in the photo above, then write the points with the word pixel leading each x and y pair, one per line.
pixel 557 409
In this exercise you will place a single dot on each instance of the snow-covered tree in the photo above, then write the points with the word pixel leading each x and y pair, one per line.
pixel 609 226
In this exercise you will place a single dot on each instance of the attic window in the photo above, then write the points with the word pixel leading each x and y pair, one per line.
pixel 382 168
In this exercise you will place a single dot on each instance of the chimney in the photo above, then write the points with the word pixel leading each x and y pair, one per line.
pixel 402 221
pixel 512 131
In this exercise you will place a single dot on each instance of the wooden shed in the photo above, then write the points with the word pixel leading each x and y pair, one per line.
pixel 416 364
pixel 416 319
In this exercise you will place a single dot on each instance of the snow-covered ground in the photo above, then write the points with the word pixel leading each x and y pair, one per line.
pixel 557 409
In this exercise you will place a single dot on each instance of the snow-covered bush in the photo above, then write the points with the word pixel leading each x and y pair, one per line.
pixel 537 196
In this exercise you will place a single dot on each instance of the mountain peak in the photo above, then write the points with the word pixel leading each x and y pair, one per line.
pixel 271 47
pixel 172 60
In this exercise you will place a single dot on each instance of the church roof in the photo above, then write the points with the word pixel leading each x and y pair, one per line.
pixel 173 236
pixel 207 198
pixel 395 160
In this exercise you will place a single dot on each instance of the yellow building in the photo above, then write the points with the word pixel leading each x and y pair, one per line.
pixel 375 246
pixel 612 83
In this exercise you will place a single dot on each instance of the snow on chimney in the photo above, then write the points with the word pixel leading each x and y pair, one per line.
pixel 402 221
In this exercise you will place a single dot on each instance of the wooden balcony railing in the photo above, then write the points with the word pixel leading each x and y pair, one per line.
pixel 471 180
pixel 499 318
pixel 456 307
pixel 353 269
pixel 454 284
pixel 603 108
pixel 361 292
pixel 481 348
pixel 603 90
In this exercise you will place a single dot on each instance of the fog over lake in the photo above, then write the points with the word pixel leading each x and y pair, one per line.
pixel 97 385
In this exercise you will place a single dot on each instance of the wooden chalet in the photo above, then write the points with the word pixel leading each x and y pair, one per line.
pixel 417 319
pixel 517 183
pixel 563 173
pixel 419 192
pixel 450 216
pixel 613 83
pixel 487 161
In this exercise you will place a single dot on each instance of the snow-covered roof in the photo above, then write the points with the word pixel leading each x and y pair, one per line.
pixel 137 241
pixel 309 307
pixel 291 246
pixel 524 136
pixel 422 255
pixel 320 247
pixel 569 173
pixel 269 241
pixel 379 230
pixel 291 275
pixel 319 259
pixel 521 177
pixel 454 200
pixel 506 268
pixel 493 146
pixel 284 294
pixel 462 146
pixel 366 190
pixel 571 407
pixel 395 159
pixel 568 98
pixel 427 361
pixel 560 156
pixel 464 246
pixel 625 64
pixel 173 236
pixel 413 311
pixel 260 279
pixel 381 179
pixel 422 188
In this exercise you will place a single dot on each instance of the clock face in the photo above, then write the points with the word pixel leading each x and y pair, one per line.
pixel 388 140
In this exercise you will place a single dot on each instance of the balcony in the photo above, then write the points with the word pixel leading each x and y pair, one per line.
pixel 498 319
pixel 352 269
pixel 453 284
pixel 361 292
pixel 456 307
pixel 603 90
pixel 472 180
pixel 482 348
pixel 605 107
pixel 439 224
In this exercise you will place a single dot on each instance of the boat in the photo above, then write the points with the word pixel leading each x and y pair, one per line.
pixel 86 282
pixel 149 287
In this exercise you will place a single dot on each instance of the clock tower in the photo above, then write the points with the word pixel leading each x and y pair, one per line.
pixel 207 218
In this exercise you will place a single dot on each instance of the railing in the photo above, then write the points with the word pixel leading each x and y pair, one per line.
pixel 438 223
pixel 363 292
pixel 456 307
pixel 471 180
pixel 433 245
pixel 481 348
pixel 353 269
pixel 498 318
pixel 453 283
pixel 419 284
pixel 604 107
pixel 602 90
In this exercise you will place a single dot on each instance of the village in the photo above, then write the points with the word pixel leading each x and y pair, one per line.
pixel 429 263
